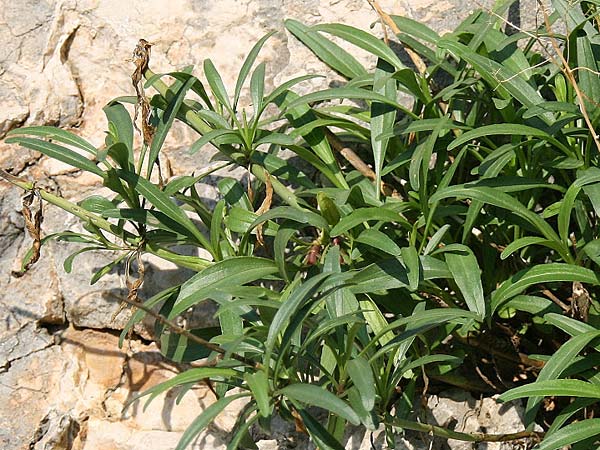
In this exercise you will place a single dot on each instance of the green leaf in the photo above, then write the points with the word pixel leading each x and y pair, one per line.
pixel 362 39
pixel 166 121
pixel 215 228
pixel 543 273
pixel 233 193
pixel 316 139
pixel 391 274
pixel 420 160
pixel 526 242
pixel 502 200
pixel 56 134
pixel 556 365
pixel 118 115
pixel 257 88
pixel 361 374
pixel 216 83
pixel 68 262
pixel 258 383
pixel 247 65
pixel 317 396
pixel 569 325
pixel 381 241
pixel 362 215
pixel 331 54
pixel 346 93
pixel 204 419
pixel 163 203
pixel 506 83
pixel 588 82
pixel 297 215
pixel 570 434
pixel 509 129
pixel 229 272
pixel 297 297
pixel 436 239
pixel 189 376
pixel 58 152
pixel 410 257
pixel 416 29
pixel 589 176
pixel 382 116
pixel 467 275
pixel 283 87
pixel 96 204
pixel 211 136
pixel 104 270
pixel 547 388
pixel 323 439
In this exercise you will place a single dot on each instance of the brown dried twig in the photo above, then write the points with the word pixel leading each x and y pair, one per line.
pixel 387 20
pixel 141 59
pixel 191 336
pixel 569 73
pixel 33 223
pixel 264 207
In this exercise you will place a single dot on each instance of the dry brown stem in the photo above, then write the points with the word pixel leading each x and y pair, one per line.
pixel 569 73
pixel 387 20
pixel 33 223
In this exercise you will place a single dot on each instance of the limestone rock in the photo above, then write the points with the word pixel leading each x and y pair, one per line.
pixel 23 342
pixel 56 431
pixel 462 412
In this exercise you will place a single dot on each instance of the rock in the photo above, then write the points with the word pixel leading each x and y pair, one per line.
pixel 461 412
pixel 23 342
pixel 56 431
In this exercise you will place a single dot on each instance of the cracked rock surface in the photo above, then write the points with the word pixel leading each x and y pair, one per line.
pixel 64 381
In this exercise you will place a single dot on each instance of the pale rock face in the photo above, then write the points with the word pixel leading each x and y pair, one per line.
pixel 63 379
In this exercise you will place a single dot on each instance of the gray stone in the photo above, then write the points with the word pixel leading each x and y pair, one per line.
pixel 23 342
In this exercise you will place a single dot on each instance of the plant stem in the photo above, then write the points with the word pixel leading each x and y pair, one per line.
pixel 469 437
pixel 192 337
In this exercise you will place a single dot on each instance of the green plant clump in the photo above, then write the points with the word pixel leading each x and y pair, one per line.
pixel 452 243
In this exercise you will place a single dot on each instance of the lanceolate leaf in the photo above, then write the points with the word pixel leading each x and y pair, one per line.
pixel 543 273
pixel 360 371
pixel 364 215
pixel 548 388
pixel 506 129
pixel 56 134
pixel 166 121
pixel 59 152
pixel 330 53
pixel 248 62
pixel 302 293
pixel 501 200
pixel 363 40
pixel 571 434
pixel 349 93
pixel 204 419
pixel 189 376
pixel 467 275
pixel 318 396
pixel 230 272
pixel 556 365
pixel 163 203
pixel 505 81
pixel 382 115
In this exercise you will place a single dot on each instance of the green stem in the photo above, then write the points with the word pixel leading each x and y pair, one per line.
pixel 70 207
pixel 469 437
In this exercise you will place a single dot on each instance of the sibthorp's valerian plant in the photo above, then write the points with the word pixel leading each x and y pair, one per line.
pixel 451 243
